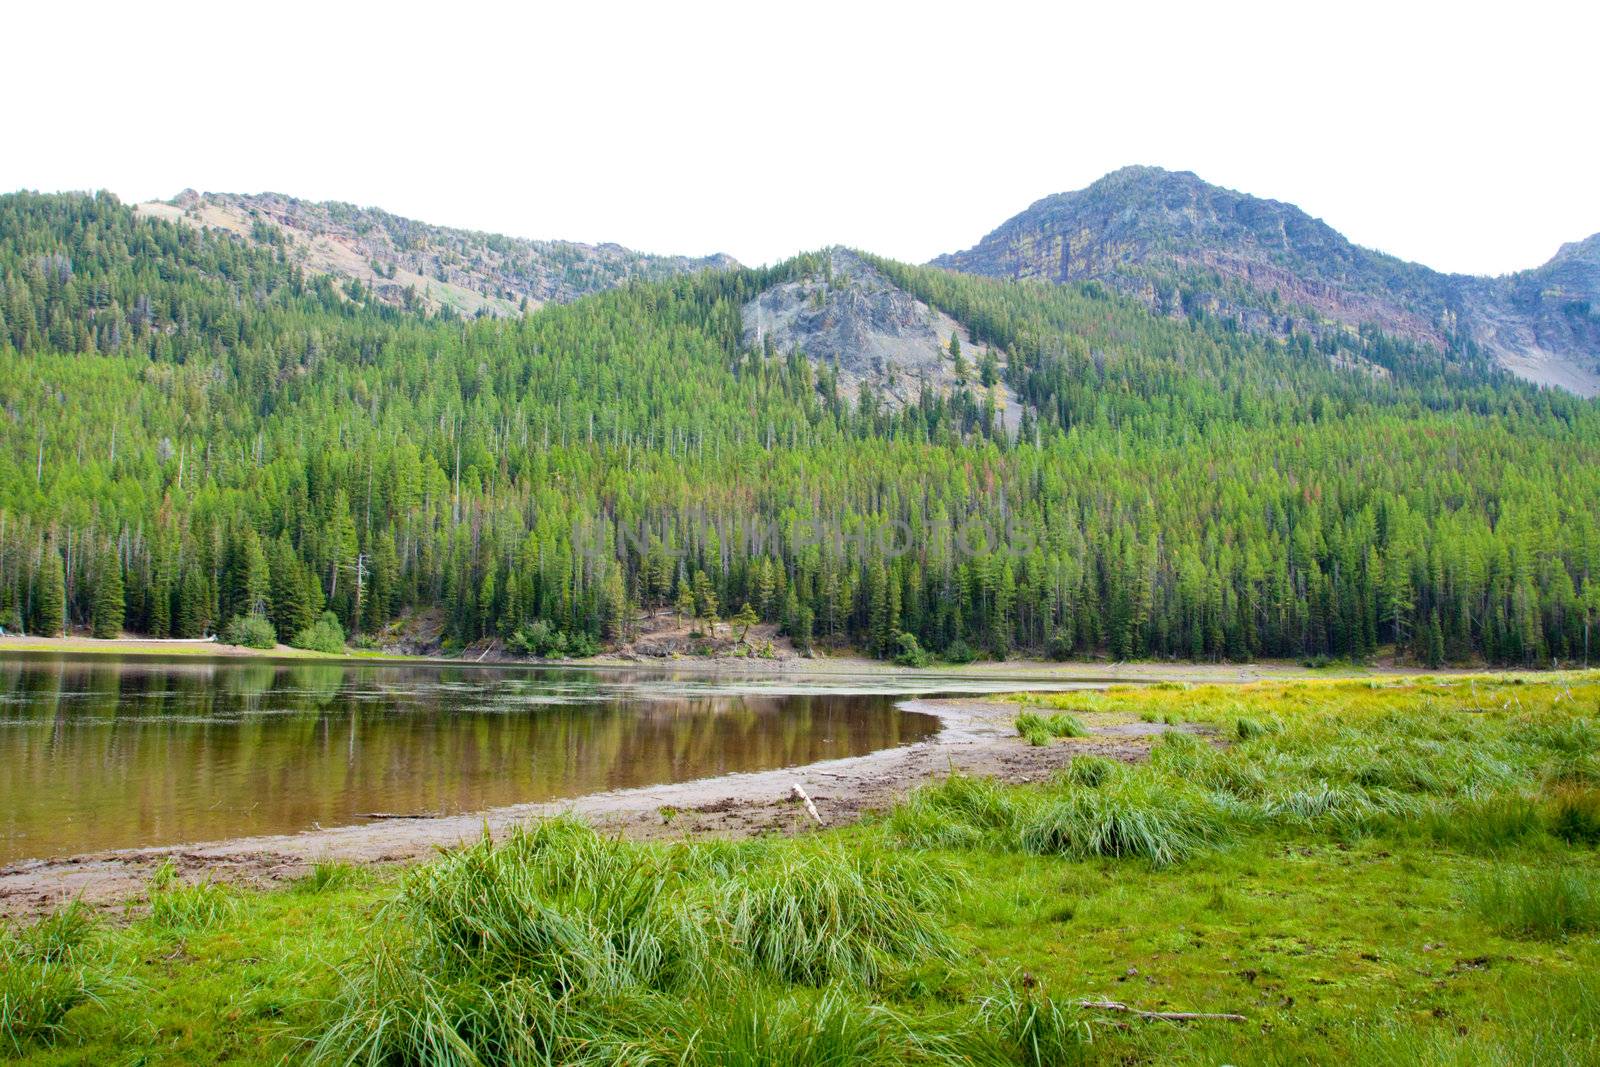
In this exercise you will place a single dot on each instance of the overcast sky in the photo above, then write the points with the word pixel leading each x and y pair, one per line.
pixel 1464 140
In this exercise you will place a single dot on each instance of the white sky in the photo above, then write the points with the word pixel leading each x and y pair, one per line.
pixel 1461 138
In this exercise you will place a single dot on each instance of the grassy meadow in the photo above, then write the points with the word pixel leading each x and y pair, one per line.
pixel 1394 871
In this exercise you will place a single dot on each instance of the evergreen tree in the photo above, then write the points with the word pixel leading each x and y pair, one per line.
pixel 742 622
pixel 109 603
pixel 50 594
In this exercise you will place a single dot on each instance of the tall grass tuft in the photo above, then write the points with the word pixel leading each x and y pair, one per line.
pixel 1039 729
pixel 1156 819
pixel 836 915
pixel 1246 728
pixel 46 970
pixel 1537 902
pixel 960 812
pixel 329 876
pixel 1343 809
pixel 1491 824
pixel 1035 1030
pixel 179 908
pixel 1575 814
pixel 1090 772
pixel 830 1030
pixel 559 945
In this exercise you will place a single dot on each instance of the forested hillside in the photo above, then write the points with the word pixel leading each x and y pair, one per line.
pixel 195 431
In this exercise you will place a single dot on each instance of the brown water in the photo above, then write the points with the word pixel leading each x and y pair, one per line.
pixel 101 753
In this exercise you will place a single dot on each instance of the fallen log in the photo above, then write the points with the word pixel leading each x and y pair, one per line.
pixel 1165 1016
pixel 402 815
pixel 800 794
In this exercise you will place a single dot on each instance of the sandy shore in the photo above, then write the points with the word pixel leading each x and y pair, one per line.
pixel 977 738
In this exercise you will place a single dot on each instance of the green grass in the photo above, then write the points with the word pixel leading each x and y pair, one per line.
pixel 1383 872
pixel 179 908
pixel 1040 730
pixel 1537 902
pixel 47 969
pixel 1575 814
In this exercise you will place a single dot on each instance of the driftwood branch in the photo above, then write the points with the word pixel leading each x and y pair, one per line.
pixel 1166 1016
pixel 800 794
pixel 401 815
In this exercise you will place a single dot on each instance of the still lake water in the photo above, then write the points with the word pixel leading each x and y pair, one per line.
pixel 99 753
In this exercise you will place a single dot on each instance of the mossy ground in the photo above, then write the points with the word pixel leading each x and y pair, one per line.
pixel 1340 940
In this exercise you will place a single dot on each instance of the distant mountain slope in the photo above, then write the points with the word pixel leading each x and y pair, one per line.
pixel 1186 247
pixel 414 264
pixel 848 317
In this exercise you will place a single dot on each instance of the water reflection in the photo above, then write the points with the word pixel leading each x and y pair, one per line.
pixel 108 754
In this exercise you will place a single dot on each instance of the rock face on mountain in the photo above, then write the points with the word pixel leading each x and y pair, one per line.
pixel 414 264
pixel 1185 246
pixel 851 318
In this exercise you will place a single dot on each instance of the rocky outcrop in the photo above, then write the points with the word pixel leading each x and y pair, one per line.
pixel 413 264
pixel 851 318
pixel 1182 245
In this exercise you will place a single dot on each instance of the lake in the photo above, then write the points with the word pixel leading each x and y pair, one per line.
pixel 99 753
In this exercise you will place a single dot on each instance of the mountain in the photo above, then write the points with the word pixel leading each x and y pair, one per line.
pixel 413 264
pixel 199 434
pixel 847 316
pixel 1185 247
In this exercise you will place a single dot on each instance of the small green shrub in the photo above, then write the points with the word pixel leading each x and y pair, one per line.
pixel 251 631
pixel 324 635
pixel 910 652
pixel 958 651
pixel 542 640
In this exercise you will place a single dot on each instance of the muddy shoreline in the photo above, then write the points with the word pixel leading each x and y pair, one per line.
pixel 1021 670
pixel 977 737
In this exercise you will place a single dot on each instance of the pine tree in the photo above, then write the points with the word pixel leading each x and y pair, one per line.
pixel 50 594
pixel 109 598
pixel 288 604
pixel 705 598
pixel 766 586
pixel 614 601
pixel 382 584
pixel 745 619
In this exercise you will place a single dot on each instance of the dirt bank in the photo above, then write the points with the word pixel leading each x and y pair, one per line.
pixel 978 738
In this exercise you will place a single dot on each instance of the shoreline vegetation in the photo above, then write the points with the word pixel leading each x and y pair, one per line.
pixel 1375 869
pixel 819 663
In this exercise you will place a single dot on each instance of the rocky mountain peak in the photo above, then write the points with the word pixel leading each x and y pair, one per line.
pixel 415 264
pixel 1186 247
pixel 848 316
